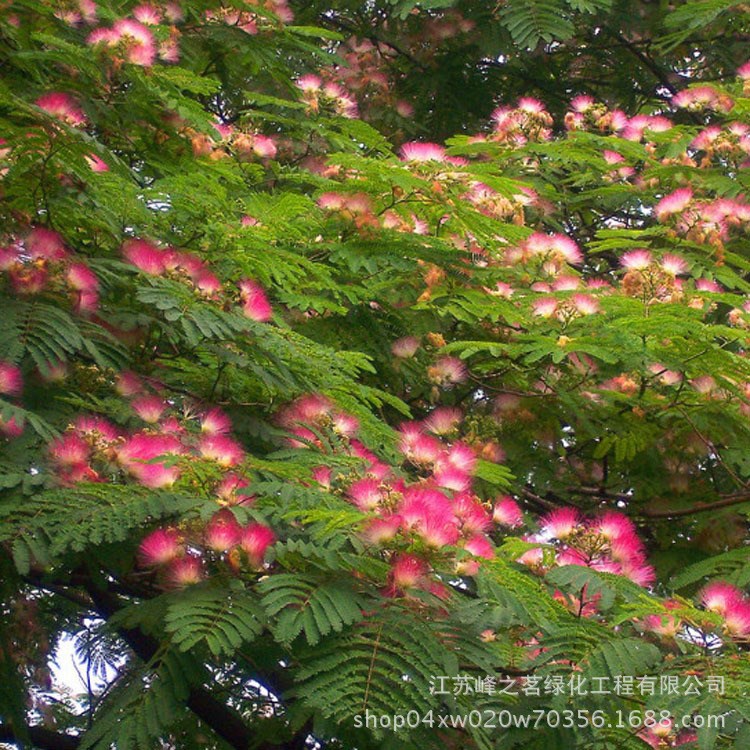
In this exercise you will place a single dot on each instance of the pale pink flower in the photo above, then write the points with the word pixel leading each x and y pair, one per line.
pixel 673 203
pixel 11 380
pixel 184 571
pixel 719 597
pixel 149 408
pixel 383 529
pixel 507 512
pixel 585 304
pixel 447 371
pixel 255 540
pixel 365 494
pixel 255 304
pixel 636 260
pixel 160 547
pixel 422 152
pixel 451 478
pixel 215 422
pixel 408 571
pixel 406 347
pixel 443 420
pixel 128 384
pixel 560 523
pixel 222 532
pixel 222 449
pixel 137 454
pixel 45 244
pixel 147 14
pixel 674 264
pixel 62 107
pixel 544 307
pixel 145 256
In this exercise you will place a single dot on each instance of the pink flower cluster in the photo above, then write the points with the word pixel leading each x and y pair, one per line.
pixel 608 543
pixel 41 262
pixel 94 450
pixel 587 114
pixel 189 268
pixel 11 385
pixel 183 556
pixel 702 97
pixel 62 107
pixel 553 253
pixel 318 95
pixel 732 604
pixel 414 521
pixel 528 121
pixel 130 40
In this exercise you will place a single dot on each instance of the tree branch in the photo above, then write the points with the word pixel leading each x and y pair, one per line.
pixel 45 739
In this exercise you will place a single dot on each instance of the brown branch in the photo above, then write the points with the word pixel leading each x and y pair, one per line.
pixel 45 739
pixel 726 502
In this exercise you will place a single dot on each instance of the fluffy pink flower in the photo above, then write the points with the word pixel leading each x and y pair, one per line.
pixel 255 540
pixel 255 304
pixel 96 428
pixel 63 107
pixel 147 14
pixel 160 547
pixel 507 513
pixel 11 380
pixel 11 428
pixel 215 422
pixel 137 457
pixel 264 147
pixel 585 304
pixel 184 571
pixel 365 494
pixel 480 546
pixel 309 83
pixel 222 449
pixel 720 597
pixel 407 571
pixel 636 260
pixel 544 307
pixel 561 523
pixel 79 276
pixel 145 256
pixel 69 450
pixel 462 457
pixel 149 408
pixel 138 41
pixel 421 152
pixel 230 490
pixel 673 264
pixel 451 478
pixel 737 619
pixel 128 384
pixel 380 530
pixel 673 203
pixel 443 420
pixel 46 244
pixel 471 514
pixel 405 348
pixel 222 532
pixel 447 371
